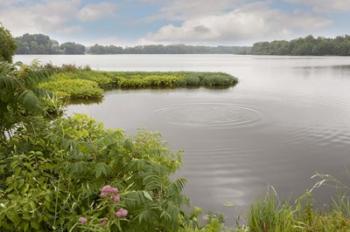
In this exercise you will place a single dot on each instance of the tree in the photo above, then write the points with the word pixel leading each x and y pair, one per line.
pixel 305 46
pixel 72 48
pixel 36 44
pixel 7 45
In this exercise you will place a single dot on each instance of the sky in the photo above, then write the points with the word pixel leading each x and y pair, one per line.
pixel 197 22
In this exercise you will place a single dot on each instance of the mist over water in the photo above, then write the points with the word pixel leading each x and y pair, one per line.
pixel 288 118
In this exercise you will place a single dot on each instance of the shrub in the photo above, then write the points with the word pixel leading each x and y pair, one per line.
pixel 73 88
pixel 73 173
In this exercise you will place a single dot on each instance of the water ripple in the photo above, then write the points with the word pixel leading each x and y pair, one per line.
pixel 210 115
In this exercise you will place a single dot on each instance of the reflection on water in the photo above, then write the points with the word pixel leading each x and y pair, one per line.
pixel 286 119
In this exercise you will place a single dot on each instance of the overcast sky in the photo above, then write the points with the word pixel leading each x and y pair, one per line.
pixel 208 22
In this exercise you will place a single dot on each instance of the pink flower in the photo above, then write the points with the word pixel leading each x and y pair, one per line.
pixel 108 190
pixel 116 198
pixel 82 220
pixel 121 213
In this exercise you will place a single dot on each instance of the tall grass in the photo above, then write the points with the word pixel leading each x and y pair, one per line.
pixel 270 215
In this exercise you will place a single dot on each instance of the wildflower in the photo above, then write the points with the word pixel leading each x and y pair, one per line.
pixel 108 190
pixel 82 220
pixel 121 213
pixel 116 198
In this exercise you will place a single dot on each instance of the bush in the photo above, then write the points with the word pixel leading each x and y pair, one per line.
pixel 73 173
pixel 73 88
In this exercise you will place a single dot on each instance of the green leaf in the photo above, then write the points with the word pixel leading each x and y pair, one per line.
pixel 101 169
pixel 13 217
pixel 147 195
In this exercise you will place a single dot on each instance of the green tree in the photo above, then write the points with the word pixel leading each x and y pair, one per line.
pixel 36 44
pixel 305 46
pixel 72 48
pixel 7 45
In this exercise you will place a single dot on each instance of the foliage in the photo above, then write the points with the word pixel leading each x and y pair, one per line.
pixel 43 44
pixel 56 173
pixel 73 88
pixel 53 177
pixel 7 45
pixel 172 79
pixel 305 46
pixel 36 44
pixel 272 215
pixel 72 83
pixel 72 48
pixel 102 79
pixel 168 49
pixel 19 95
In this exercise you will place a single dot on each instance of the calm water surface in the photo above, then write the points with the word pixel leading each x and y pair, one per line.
pixel 288 118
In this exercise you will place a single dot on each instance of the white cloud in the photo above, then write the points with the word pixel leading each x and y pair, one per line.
pixel 59 17
pixel 249 23
pixel 40 17
pixel 184 9
pixel 93 12
pixel 325 5
pixel 109 40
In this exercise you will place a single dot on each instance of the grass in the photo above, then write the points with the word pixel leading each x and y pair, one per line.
pixel 270 215
pixel 74 84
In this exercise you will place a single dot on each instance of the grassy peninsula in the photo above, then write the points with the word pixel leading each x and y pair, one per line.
pixel 76 83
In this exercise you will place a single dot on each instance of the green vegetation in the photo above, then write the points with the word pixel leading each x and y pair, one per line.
pixel 272 215
pixel 7 45
pixel 74 88
pixel 168 49
pixel 19 97
pixel 72 174
pixel 339 46
pixel 42 44
pixel 54 175
pixel 81 83
pixel 72 48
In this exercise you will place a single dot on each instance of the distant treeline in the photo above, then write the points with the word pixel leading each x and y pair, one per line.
pixel 168 49
pixel 43 44
pixel 320 46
